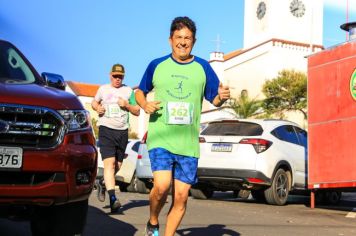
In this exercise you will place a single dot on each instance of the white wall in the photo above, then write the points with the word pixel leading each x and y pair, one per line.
pixel 250 70
pixel 278 22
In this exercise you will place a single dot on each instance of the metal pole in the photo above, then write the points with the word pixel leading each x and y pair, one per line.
pixel 312 199
pixel 347 18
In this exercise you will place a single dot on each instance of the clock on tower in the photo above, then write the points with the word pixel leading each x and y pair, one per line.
pixel 261 10
pixel 290 20
pixel 297 8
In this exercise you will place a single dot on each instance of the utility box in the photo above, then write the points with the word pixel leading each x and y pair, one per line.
pixel 332 118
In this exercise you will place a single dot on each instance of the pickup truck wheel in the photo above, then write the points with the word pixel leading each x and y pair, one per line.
pixel 277 193
pixel 67 219
pixel 201 193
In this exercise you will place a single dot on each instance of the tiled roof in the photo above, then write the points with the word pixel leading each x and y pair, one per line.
pixel 86 90
pixel 82 89
pixel 232 54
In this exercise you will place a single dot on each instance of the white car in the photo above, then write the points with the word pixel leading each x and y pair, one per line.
pixel 125 177
pixel 143 168
pixel 265 157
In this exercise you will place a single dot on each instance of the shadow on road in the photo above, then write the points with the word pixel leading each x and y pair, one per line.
pixel 135 203
pixel 100 223
pixel 14 228
pixel 130 205
pixel 211 230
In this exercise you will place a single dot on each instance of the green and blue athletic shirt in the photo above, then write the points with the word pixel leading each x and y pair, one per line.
pixel 180 88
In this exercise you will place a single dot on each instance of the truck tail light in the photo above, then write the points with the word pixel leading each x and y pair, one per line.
pixel 260 145
pixel 143 141
pixel 139 156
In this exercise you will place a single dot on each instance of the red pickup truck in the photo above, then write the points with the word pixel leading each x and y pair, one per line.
pixel 48 158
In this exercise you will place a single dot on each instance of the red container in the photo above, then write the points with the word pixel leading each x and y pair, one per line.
pixel 332 118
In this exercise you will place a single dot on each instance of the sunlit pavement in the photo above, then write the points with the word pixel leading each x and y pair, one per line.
pixel 222 215
pixel 225 215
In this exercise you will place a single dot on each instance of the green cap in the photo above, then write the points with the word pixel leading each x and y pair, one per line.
pixel 118 69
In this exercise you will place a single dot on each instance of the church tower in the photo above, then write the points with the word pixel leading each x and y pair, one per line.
pixel 291 20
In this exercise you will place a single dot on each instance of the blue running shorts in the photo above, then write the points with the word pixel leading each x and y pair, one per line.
pixel 184 168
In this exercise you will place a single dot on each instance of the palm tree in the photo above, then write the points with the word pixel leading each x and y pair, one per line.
pixel 244 107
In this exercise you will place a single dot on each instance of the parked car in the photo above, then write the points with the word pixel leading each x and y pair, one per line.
pixel 143 168
pixel 48 158
pixel 265 157
pixel 126 176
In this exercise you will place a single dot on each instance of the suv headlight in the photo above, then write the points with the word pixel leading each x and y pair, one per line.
pixel 75 119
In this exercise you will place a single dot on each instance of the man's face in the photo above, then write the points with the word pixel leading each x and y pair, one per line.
pixel 116 80
pixel 182 42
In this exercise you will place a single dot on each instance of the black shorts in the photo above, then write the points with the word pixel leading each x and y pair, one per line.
pixel 113 142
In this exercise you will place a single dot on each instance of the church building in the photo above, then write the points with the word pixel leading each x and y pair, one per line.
pixel 278 35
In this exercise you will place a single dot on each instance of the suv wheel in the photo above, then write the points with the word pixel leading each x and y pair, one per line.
pixel 201 193
pixel 67 219
pixel 277 193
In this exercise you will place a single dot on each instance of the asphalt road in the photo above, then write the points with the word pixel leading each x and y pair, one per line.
pixel 220 216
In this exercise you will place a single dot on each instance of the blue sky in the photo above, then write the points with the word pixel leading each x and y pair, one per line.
pixel 81 39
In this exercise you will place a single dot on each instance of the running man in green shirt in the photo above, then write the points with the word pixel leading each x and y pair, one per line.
pixel 180 81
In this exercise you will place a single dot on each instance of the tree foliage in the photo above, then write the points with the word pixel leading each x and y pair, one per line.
pixel 245 107
pixel 286 92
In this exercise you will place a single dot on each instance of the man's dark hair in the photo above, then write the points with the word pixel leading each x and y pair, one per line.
pixel 183 21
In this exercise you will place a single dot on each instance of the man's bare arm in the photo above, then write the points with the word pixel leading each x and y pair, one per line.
pixel 97 107
pixel 223 95
pixel 148 107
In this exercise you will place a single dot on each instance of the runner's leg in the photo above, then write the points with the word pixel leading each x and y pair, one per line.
pixel 109 172
pixel 110 166
pixel 178 208
pixel 159 193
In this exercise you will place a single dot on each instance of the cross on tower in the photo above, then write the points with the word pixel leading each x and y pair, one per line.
pixel 218 42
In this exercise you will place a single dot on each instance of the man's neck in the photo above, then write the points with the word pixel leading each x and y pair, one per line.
pixel 184 60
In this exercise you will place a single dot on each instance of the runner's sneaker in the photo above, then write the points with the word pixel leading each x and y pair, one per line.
pixel 100 190
pixel 114 204
pixel 151 230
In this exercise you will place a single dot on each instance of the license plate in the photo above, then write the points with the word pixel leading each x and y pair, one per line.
pixel 10 157
pixel 221 147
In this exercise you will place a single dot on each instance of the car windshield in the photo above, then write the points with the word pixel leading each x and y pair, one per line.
pixel 13 68
pixel 233 129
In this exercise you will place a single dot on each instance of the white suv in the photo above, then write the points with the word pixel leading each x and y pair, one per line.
pixel 266 157
pixel 126 176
